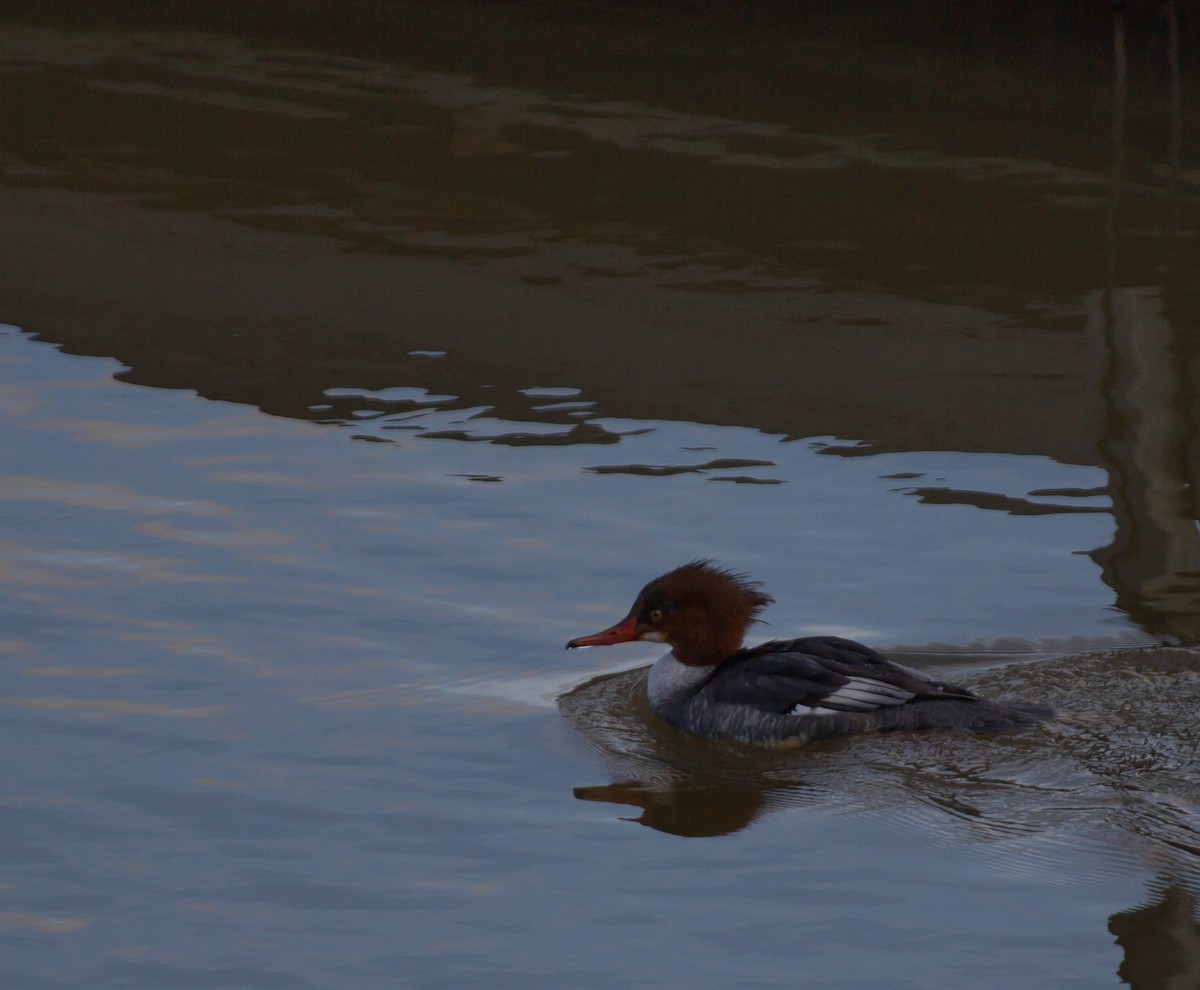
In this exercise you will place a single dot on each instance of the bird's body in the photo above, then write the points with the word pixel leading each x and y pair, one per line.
pixel 785 690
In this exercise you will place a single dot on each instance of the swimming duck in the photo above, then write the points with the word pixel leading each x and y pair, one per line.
pixel 784 691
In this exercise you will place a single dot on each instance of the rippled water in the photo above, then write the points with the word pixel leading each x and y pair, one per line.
pixel 277 690
pixel 345 375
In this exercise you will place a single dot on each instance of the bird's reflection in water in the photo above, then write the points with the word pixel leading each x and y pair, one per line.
pixel 698 787
pixel 697 809
pixel 1119 756
pixel 684 786
pixel 1111 780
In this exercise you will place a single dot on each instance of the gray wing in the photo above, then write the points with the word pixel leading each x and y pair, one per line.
pixel 822 675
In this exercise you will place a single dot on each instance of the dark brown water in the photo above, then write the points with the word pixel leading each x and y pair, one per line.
pixel 355 356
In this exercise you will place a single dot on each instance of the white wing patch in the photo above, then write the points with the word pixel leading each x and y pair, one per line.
pixel 858 694
pixel 799 709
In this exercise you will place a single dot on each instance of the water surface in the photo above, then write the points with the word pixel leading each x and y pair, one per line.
pixel 348 370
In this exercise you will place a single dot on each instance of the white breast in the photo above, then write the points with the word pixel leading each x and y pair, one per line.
pixel 669 679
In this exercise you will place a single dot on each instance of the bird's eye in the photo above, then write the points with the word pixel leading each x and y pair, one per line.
pixel 656 615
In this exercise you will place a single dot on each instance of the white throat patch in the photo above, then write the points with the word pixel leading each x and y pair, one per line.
pixel 669 679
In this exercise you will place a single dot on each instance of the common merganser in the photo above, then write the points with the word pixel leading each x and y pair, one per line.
pixel 784 691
